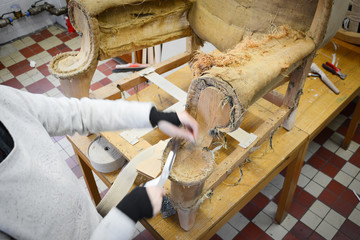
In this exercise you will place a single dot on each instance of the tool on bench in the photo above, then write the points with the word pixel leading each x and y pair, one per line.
pixel 334 70
pixel 310 74
pixel 316 71
pixel 130 67
pixel 167 208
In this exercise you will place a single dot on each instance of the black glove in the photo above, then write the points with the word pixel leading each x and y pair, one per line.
pixel 156 116
pixel 136 205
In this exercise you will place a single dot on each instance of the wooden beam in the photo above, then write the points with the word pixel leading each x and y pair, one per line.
pixel 192 44
pixel 274 97
pixel 239 155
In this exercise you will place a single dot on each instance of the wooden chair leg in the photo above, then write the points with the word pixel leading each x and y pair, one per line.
pixel 78 86
pixel 89 180
pixel 290 183
pixel 294 91
pixel 353 124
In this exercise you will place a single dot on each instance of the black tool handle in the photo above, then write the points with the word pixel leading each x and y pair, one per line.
pixel 167 208
pixel 329 68
pixel 118 70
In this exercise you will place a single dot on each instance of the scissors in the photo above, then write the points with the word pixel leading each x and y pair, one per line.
pixel 334 70
pixel 160 181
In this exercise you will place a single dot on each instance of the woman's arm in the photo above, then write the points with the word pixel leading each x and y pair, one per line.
pixel 119 223
pixel 63 115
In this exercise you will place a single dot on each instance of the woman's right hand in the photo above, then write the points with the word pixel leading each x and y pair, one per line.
pixel 156 195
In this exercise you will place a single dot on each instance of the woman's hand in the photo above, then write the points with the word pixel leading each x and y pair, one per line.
pixel 189 132
pixel 156 195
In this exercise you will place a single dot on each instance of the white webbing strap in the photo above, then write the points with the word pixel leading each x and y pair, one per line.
pixel 244 138
pixel 164 84
pixel 133 135
pixel 126 178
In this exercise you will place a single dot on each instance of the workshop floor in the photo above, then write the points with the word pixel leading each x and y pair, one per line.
pixel 324 207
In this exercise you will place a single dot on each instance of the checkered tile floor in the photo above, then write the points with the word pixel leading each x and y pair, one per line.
pixel 324 205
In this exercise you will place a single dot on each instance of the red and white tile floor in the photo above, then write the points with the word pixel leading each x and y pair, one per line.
pixel 324 205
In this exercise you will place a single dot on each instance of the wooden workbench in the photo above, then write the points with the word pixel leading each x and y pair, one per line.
pixel 318 107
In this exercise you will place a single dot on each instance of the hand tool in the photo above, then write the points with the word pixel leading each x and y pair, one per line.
pixel 315 69
pixel 130 67
pixel 310 74
pixel 167 208
pixel 334 70
pixel 160 181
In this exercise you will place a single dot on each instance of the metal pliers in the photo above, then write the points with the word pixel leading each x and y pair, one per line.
pixel 334 70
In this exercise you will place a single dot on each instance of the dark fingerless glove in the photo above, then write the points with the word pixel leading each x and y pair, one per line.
pixel 136 205
pixel 156 116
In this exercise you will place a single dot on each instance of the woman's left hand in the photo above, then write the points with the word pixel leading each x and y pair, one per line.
pixel 189 132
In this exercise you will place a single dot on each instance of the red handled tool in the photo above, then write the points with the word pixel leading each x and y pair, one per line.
pixel 334 70
pixel 130 67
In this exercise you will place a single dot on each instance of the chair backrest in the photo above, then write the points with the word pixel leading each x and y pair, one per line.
pixel 225 23
pixel 127 25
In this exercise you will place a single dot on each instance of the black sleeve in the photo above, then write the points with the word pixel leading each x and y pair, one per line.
pixel 156 116
pixel 6 142
pixel 136 205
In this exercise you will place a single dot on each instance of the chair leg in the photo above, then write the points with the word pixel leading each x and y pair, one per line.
pixel 79 86
pixel 294 90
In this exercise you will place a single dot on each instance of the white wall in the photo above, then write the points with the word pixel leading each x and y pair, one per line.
pixel 27 25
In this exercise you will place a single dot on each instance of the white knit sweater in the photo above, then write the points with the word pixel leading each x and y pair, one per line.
pixel 40 198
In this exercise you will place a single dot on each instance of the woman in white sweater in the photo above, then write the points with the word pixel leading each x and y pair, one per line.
pixel 40 198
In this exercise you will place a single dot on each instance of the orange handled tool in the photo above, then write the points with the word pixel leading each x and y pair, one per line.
pixel 130 67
